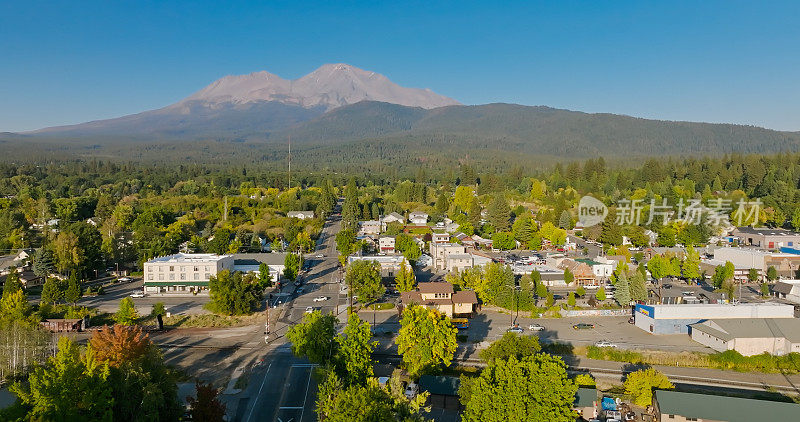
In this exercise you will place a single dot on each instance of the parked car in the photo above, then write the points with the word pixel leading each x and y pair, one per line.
pixel 583 326
pixel 137 294
pixel 321 298
pixel 631 320
pixel 605 343
pixel 516 329
pixel 300 290
pixel 124 279
pixel 319 255
pixel 536 327
pixel 309 309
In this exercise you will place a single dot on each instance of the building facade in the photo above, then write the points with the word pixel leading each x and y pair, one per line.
pixel 184 273
pixel 749 336
pixel 676 319
pixel 766 237
pixel 441 297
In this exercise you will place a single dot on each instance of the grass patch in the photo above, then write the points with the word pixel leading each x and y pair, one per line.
pixel 381 306
pixel 206 320
pixel 728 360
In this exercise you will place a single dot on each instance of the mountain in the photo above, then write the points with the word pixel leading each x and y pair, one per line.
pixel 257 103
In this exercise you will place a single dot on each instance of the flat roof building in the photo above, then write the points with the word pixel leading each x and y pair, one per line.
pixel 676 319
pixel 183 273
pixel 680 407
pixel 766 237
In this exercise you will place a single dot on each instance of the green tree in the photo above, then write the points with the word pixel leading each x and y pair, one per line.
pixel 796 219
pixel 73 293
pixel 498 213
pixel 337 402
pixel 426 339
pixel 568 276
pixel 405 279
pixel 292 264
pixel 640 384
pixel 637 287
pixel 565 220
pixel 752 275
pixel 612 232
pixel 442 205
pixel 764 289
pixel 534 389
pixel 51 291
pixel 407 246
pixel 15 307
pixel 585 380
pixel 509 345
pixel 364 278
pixel 232 294
pixel 12 283
pixel 314 337
pixel 524 228
pixel 206 406
pixel 691 264
pixel 657 267
pixel 158 309
pixel 772 274
pixel 503 241
pixel 43 262
pixel 126 315
pixel 601 294
pixel 70 386
pixel 580 291
pixel 571 299
pixel 264 277
pixel 345 241
pixel 622 294
pixel 354 352
pixel 541 290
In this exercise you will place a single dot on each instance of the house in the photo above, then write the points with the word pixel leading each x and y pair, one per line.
pixel 457 262
pixel 602 268
pixel 787 290
pixel 669 405
pixel 440 251
pixel 393 218
pixel 440 237
pixel 386 245
pixel 29 279
pixel 441 297
pixel 418 218
pixel 302 215
pixel 369 228
pixel 766 238
pixel 749 336
pixel 183 273
pixel 581 272
pixel 676 319
pixel 585 403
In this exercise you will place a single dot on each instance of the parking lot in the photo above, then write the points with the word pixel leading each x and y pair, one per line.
pixel 109 302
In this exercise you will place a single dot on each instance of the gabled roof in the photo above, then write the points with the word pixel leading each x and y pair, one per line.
pixel 723 408
pixel 731 328
pixel 435 287
pixel 465 296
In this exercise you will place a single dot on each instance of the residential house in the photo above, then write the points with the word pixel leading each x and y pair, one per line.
pixel 386 245
pixel 441 297
pixel 369 228
pixel 440 251
pixel 302 215
pixel 675 406
pixel 749 336
pixel 585 403
pixel 418 218
pixel 440 237
pixel 393 218
pixel 601 267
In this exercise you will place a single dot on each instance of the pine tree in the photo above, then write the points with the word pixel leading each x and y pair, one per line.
pixel 52 292
pixel 499 214
pixel 73 293
pixel 612 232
pixel 12 283
pixel 565 220
pixel 637 287
pixel 622 294
pixel 405 278
pixel 43 262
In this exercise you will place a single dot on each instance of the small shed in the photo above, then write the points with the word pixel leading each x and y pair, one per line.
pixel 586 402
pixel 443 391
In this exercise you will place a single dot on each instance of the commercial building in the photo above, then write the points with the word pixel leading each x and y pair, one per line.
pixel 183 273
pixel 749 336
pixel 766 237
pixel 251 263
pixel 676 319
pixel 674 406
pixel 390 264
pixel 787 290
pixel 441 297
pixel 745 258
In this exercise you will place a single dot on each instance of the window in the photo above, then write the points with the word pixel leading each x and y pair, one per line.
pixel 197 276
pixel 196 268
pixel 183 276
pixel 149 276
pixel 171 268
pixel 161 276
pixel 172 276
pixel 208 276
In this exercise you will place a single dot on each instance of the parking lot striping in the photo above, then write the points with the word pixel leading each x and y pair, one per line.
pixel 259 393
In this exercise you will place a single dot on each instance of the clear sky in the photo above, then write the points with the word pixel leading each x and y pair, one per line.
pixel 67 62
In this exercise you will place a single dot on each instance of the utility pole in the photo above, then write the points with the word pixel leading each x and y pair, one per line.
pixel 225 213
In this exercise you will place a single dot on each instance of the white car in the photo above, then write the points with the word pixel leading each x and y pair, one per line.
pixel 319 255
pixel 321 298
pixel 309 309
pixel 412 389
pixel 124 279
pixel 137 294
pixel 605 343
pixel 536 327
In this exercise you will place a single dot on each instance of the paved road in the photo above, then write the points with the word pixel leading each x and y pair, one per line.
pixel 109 302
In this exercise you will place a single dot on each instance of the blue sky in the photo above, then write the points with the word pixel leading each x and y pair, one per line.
pixel 66 62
